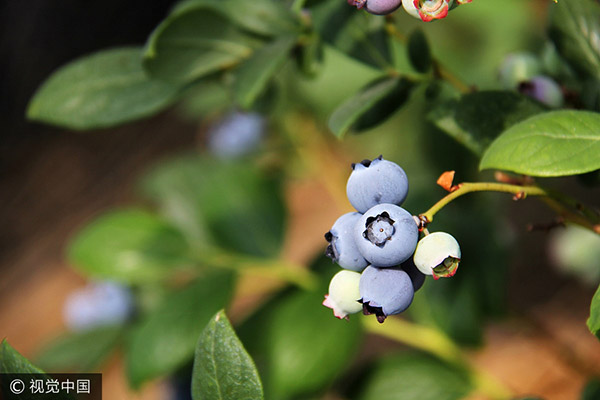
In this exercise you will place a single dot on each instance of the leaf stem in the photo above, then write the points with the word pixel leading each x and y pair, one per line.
pixel 435 342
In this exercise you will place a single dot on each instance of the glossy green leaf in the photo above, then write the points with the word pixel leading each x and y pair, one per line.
pixel 415 377
pixel 556 143
pixel 223 370
pixel 12 362
pixel 253 76
pixel 193 43
pixel 419 52
pixel 593 321
pixel 575 29
pixel 232 204
pixel 100 90
pixel 263 17
pixel 376 97
pixel 165 339
pixel 81 351
pixel 128 245
pixel 298 345
pixel 476 119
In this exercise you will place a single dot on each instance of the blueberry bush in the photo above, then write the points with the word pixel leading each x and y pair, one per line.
pixel 504 95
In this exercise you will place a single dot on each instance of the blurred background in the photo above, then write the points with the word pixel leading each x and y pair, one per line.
pixel 530 334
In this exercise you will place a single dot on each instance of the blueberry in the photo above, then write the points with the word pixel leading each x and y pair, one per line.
pixel 386 235
pixel 385 291
pixel 517 68
pixel 437 254
pixel 543 89
pixel 427 10
pixel 417 277
pixel 342 248
pixel 237 134
pixel 376 182
pixel 377 7
pixel 97 304
pixel 343 294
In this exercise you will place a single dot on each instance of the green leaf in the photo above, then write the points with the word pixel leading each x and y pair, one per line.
pixel 419 52
pixel 359 35
pixel 253 76
pixel 100 90
pixel 556 143
pixel 223 370
pixel 195 42
pixel 476 119
pixel 263 17
pixel 129 245
pixel 575 29
pixel 165 339
pixel 299 345
pixel 415 377
pixel 381 98
pixel 12 362
pixel 233 204
pixel 81 351
pixel 591 390
pixel 593 321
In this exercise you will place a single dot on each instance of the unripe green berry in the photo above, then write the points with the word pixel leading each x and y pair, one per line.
pixel 344 294
pixel 437 254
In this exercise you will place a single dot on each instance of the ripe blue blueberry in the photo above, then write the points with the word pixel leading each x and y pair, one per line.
pixel 377 7
pixel 416 276
pixel 237 134
pixel 376 182
pixel 344 294
pixel 342 248
pixel 437 254
pixel 385 291
pixel 386 235
pixel 97 304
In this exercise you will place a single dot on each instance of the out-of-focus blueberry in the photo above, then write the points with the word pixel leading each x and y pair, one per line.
pixel 386 235
pixel 517 68
pixel 237 134
pixel 377 7
pixel 97 304
pixel 385 291
pixel 376 182
pixel 342 248
pixel 543 89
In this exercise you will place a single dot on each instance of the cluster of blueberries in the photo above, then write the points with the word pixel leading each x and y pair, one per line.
pixel 378 247
pixel 425 10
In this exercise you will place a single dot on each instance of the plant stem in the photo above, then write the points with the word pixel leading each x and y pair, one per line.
pixel 283 270
pixel 435 342
pixel 563 205
pixel 468 187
